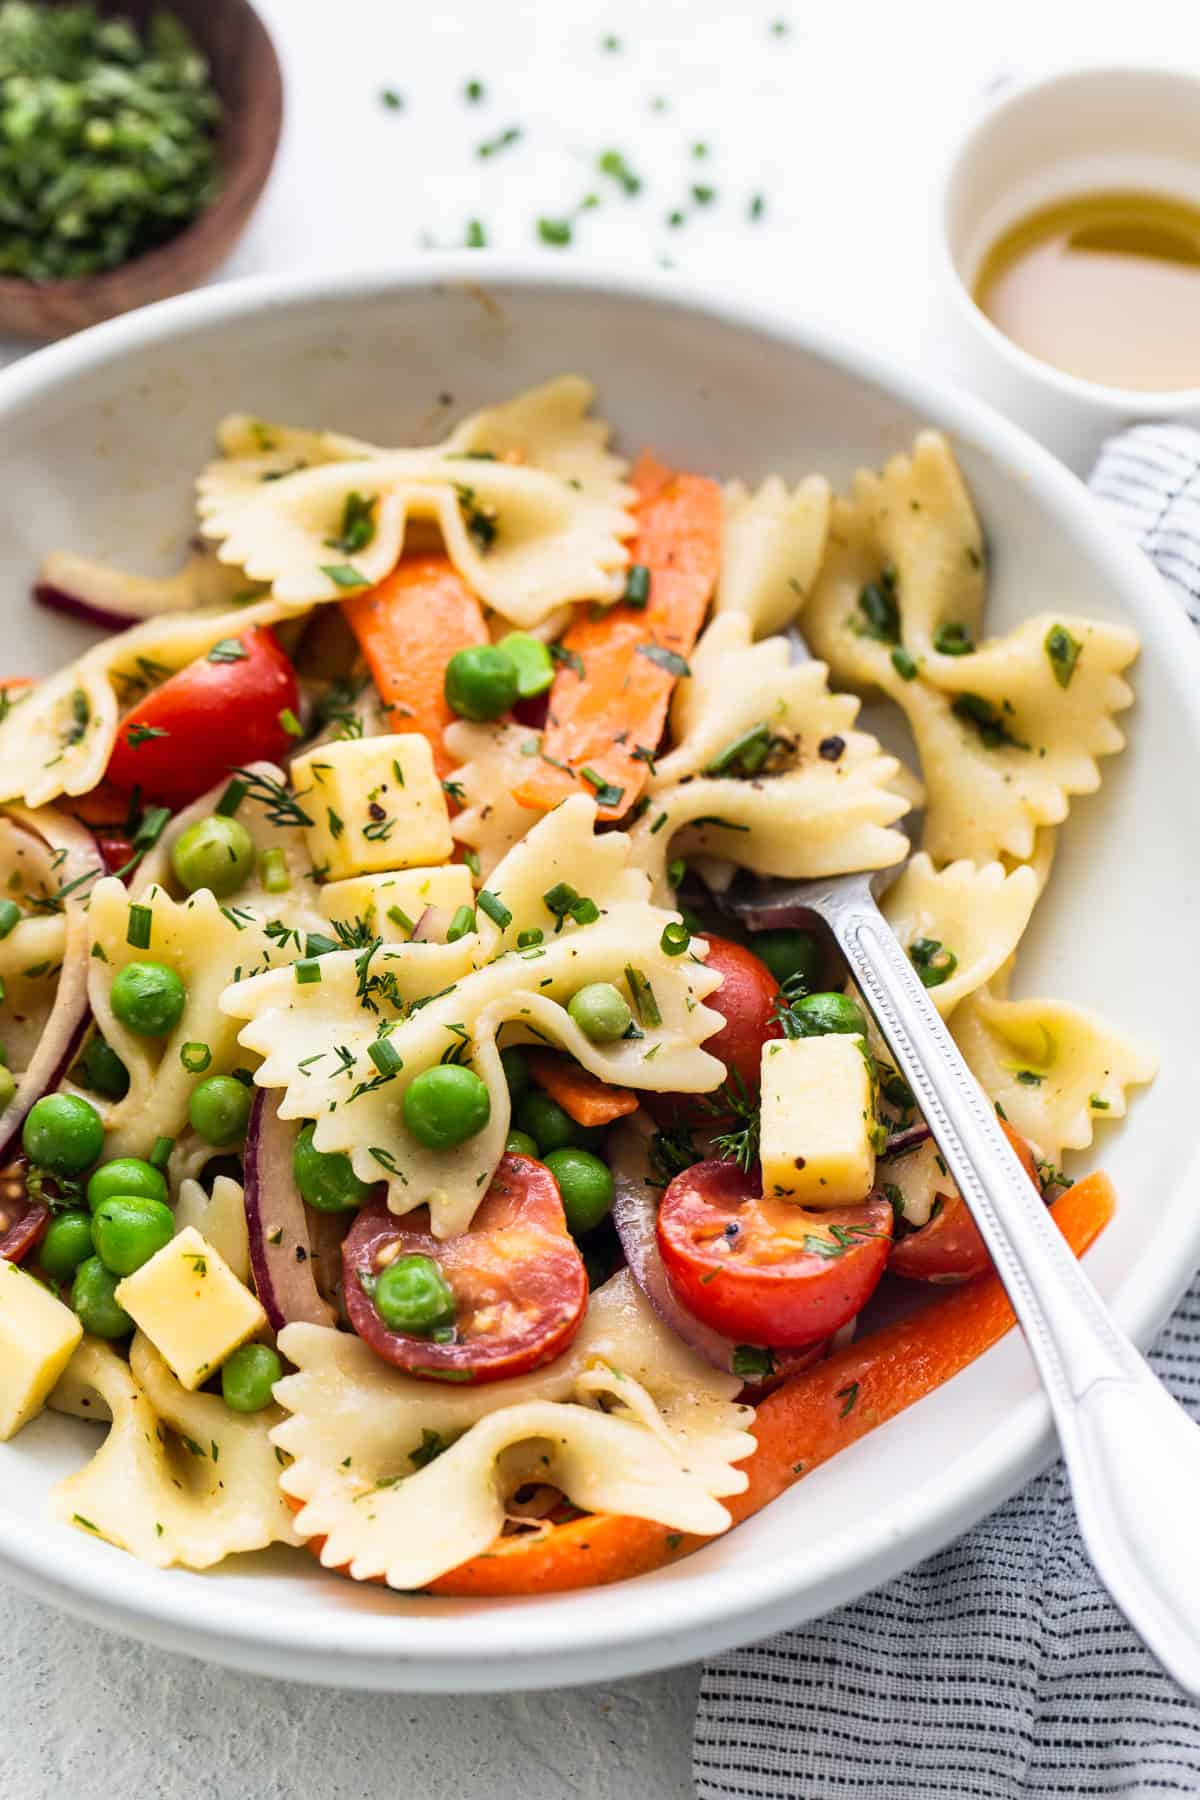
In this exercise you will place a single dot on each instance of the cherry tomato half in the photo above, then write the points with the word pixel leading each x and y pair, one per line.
pixel 764 1271
pixel 746 1001
pixel 221 711
pixel 949 1248
pixel 518 1281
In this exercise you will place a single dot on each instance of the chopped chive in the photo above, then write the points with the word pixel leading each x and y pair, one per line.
pixel 903 664
pixel 384 1054
pixel 343 576
pixel 141 919
pixel 232 798
pixel 670 660
pixel 290 723
pixel 274 871
pixel 228 650
pixel 607 794
pixel 637 585
pixel 642 994
pixel 195 1058
pixel 160 1154
pixel 555 231
pixel 527 939
pixel 461 925
pixel 675 938
pixel 494 907
pixel 307 971
pixel 476 235
pixel 10 913
pixel 399 918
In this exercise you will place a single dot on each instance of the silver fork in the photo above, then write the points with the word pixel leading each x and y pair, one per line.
pixel 1132 1454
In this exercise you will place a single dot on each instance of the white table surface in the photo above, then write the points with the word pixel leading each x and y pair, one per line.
pixel 842 123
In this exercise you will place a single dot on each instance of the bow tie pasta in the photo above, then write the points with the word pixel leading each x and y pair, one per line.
pixel 411 836
pixel 179 1478
pixel 406 1480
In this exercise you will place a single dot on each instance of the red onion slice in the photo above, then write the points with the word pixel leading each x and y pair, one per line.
pixel 23 1221
pixel 277 1223
pixel 900 1141
pixel 114 599
pixel 635 1211
pixel 432 926
pixel 61 1036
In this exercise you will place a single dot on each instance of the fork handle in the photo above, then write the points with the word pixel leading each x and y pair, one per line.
pixel 1132 1453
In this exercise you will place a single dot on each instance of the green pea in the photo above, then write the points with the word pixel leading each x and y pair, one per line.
pixel 62 1133
pixel 93 1296
pixel 586 1186
pixel 445 1106
pixel 129 1229
pixel 601 1012
pixel 216 853
pixel 481 682
pixel 519 1143
pixel 413 1296
pixel 534 663
pixel 124 1176
pixel 326 1178
pixel 819 1014
pixel 102 1070
pixel 248 1377
pixel 8 1085
pixel 545 1121
pixel 148 998
pixel 67 1243
pixel 790 955
pixel 516 1072
pixel 219 1109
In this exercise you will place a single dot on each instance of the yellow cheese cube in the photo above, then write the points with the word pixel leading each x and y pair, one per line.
pixel 818 1121
pixel 376 803
pixel 191 1306
pixel 386 901
pixel 37 1337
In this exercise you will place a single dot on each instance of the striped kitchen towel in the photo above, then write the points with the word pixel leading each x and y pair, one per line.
pixel 1000 1669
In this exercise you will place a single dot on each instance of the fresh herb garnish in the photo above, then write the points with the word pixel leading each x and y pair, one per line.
pixel 987 720
pixel 953 639
pixel 932 961
pixel 357 528
pixel 1064 652
pixel 670 660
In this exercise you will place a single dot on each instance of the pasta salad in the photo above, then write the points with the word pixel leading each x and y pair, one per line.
pixel 407 1156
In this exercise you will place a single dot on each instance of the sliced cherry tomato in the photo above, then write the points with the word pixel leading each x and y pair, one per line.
pixel 949 1248
pixel 221 711
pixel 519 1284
pixel 746 1000
pixel 764 1271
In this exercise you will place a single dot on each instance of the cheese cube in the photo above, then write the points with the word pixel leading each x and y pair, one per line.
pixel 191 1306
pixel 818 1121
pixel 376 803
pixel 38 1335
pixel 385 901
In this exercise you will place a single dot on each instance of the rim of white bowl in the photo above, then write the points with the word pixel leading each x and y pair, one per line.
pixel 491 1646
pixel 1166 402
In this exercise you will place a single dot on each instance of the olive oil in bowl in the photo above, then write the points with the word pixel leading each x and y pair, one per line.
pixel 1103 286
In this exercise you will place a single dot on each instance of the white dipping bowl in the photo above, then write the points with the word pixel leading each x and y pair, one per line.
pixel 100 440
pixel 1084 131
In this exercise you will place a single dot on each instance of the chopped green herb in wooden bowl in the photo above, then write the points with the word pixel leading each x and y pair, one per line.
pixel 135 139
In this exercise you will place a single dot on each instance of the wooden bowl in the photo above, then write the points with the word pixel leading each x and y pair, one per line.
pixel 245 72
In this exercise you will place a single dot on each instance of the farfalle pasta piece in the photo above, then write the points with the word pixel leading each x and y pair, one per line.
pixel 207 946
pixel 1054 1068
pixel 1008 734
pixel 771 549
pixel 219 1217
pixel 531 508
pixel 959 924
pixel 493 760
pixel 179 1478
pixel 406 1479
pixel 57 737
pixel 911 530
pixel 428 1001
pixel 828 808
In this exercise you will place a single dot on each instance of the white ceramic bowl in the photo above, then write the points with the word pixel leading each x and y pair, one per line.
pixel 1076 131
pixel 99 440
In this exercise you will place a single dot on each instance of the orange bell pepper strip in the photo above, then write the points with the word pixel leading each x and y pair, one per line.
pixel 804 1422
pixel 599 720
pixel 409 626
pixel 582 1096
